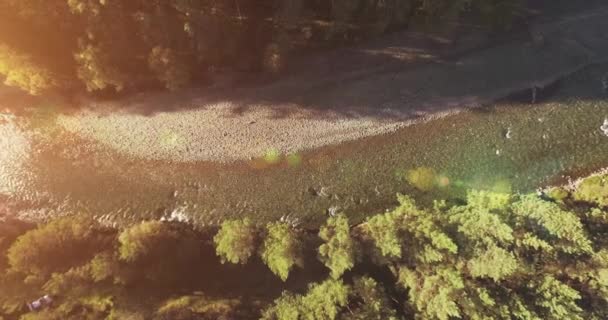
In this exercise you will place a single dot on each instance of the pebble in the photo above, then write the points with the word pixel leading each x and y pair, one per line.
pixel 604 127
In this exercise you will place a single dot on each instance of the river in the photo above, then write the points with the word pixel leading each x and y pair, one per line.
pixel 507 146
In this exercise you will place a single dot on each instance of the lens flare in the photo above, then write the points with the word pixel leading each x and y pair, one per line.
pixel 272 156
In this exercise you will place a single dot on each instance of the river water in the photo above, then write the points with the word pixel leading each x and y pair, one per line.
pixel 508 146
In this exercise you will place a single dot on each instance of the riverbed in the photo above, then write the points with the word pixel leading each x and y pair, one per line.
pixel 507 146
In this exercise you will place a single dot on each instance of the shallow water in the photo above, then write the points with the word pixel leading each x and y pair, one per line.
pixel 45 171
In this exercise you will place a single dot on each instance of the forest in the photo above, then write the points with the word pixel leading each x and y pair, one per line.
pixel 491 256
pixel 109 46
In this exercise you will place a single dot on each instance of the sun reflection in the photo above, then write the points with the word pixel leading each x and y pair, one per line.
pixel 294 160
pixel 15 149
pixel 170 138
pixel 423 178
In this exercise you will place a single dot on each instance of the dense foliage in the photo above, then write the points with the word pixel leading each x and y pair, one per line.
pixel 117 45
pixel 498 256
pixel 338 250
pixel 281 250
pixel 236 241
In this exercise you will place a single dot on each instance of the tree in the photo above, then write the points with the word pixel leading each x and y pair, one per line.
pixel 324 301
pixel 236 241
pixel 169 68
pixel 197 307
pixel 281 250
pixel 36 252
pixel 96 70
pixel 383 229
pixel 160 250
pixel 114 45
pixel 369 301
pixel 593 190
pixel 337 253
pixel 20 70
pixel 10 229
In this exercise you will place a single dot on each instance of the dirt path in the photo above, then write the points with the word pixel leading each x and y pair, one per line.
pixel 384 92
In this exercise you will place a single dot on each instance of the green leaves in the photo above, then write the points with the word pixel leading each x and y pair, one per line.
pixel 337 253
pixel 281 250
pixel 497 257
pixel 593 190
pixel 323 301
pixel 373 302
pixel 557 300
pixel 384 231
pixel 36 252
pixel 434 293
pixel 20 70
pixel 489 200
pixel 494 263
pixel 169 68
pixel 96 69
pixel 553 222
pixel 236 241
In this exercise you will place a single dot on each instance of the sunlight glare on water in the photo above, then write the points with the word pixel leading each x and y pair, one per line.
pixel 15 149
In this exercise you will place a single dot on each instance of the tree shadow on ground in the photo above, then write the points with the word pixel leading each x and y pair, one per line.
pixel 404 75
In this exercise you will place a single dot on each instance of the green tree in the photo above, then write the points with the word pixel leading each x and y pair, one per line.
pixel 593 190
pixel 57 246
pixel 96 70
pixel 10 229
pixel 236 241
pixel 160 250
pixel 281 250
pixel 197 307
pixel 384 230
pixel 324 301
pixel 20 70
pixel 337 253
pixel 169 68
pixel 369 301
